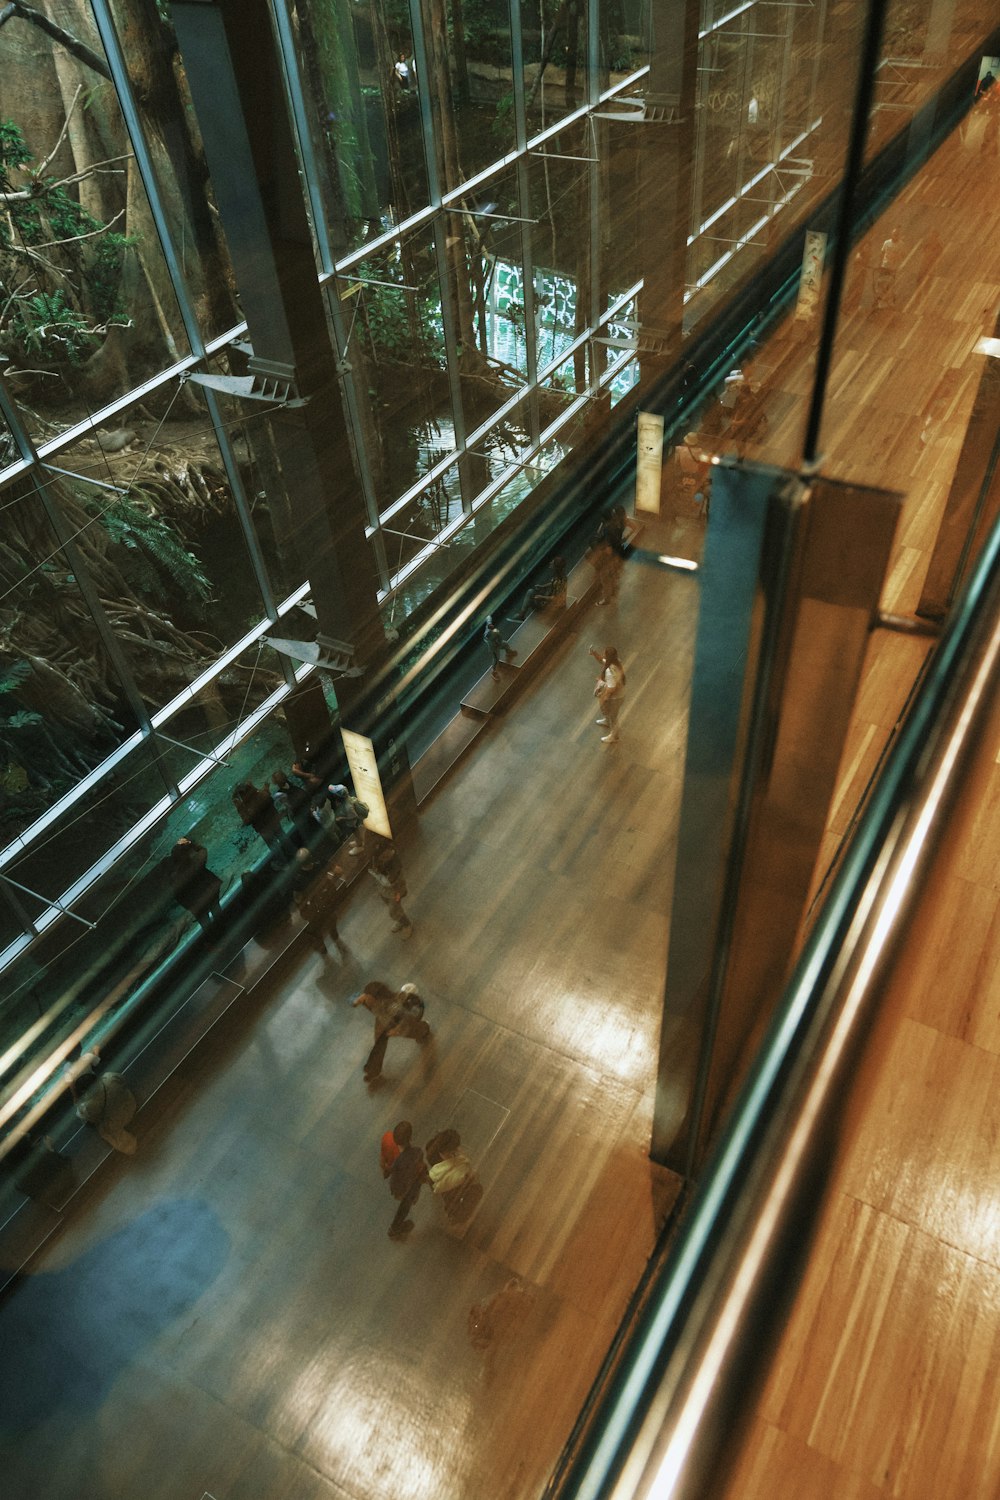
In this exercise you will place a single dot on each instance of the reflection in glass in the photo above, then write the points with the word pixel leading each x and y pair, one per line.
pixel 210 721
pixel 178 160
pixel 391 305
pixel 360 78
pixel 57 858
pixel 63 708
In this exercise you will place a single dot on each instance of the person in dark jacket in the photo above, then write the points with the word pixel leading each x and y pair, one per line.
pixel 257 810
pixel 195 886
pixel 546 592
pixel 407 1176
pixel 493 637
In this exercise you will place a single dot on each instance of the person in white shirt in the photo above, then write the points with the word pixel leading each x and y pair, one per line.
pixel 609 691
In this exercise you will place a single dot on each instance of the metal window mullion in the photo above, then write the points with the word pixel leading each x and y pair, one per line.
pixel 524 210
pixel 64 536
pixel 295 98
pixel 144 161
pixel 593 292
pixel 440 253
pixel 147 171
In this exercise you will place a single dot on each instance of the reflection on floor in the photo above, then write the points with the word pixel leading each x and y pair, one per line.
pixel 229 1315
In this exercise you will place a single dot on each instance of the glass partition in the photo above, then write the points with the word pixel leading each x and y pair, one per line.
pixel 468 354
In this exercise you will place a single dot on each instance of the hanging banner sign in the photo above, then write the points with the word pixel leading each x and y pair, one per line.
pixel 649 463
pixel 813 255
pixel 360 754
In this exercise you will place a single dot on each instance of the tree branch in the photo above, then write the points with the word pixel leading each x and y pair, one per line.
pixel 38 189
pixel 38 171
pixel 65 38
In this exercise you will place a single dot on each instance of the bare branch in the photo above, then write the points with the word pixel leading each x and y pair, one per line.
pixel 37 171
pixel 65 38
pixel 38 189
pixel 74 238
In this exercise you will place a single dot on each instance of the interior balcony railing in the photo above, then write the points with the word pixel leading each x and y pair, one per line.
pixel 665 1418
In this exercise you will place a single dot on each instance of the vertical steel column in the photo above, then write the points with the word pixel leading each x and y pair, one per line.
pixel 147 171
pixel 295 95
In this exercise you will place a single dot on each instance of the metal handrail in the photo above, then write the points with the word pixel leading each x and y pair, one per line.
pixel 668 1423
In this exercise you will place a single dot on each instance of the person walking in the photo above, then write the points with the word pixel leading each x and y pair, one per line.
pixel 397 1013
pixel 317 905
pixel 493 637
pixel 392 1144
pixel 387 872
pixel 407 1176
pixel 609 691
pixel 890 259
pixel 452 1176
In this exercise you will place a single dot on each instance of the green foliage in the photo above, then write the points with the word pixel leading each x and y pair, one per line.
pixel 152 559
pixel 46 323
pixel 13 147
pixel 72 289
pixel 11 677
pixel 391 315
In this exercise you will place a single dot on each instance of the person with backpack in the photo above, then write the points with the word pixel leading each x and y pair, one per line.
pixel 406 1177
pixel 452 1176
pixel 609 691
pixel 397 1013
pixel 349 814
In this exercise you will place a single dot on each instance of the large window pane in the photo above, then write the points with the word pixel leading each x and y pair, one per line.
pixel 159 503
pixel 91 309
pixel 392 306
pixel 62 705
pixel 556 35
pixel 360 77
pixel 170 129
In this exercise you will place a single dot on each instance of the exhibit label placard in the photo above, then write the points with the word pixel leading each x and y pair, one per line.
pixel 649 463
pixel 360 754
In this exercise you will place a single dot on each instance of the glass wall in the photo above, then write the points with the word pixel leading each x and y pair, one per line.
pixel 485 184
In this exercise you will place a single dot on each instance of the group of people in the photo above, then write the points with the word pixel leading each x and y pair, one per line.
pixel 305 822
pixel 296 813
pixel 442 1165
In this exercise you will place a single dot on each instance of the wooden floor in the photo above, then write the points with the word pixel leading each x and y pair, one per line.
pixel 885 1381
pixel 229 1316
